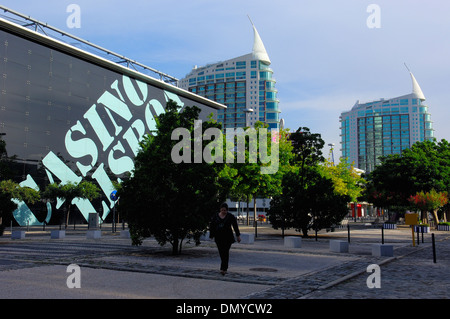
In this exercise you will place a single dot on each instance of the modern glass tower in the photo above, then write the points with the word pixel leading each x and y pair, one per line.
pixel 244 84
pixel 384 127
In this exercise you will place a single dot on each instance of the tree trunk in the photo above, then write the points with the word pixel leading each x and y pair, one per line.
pixel 435 216
pixel 67 216
pixel 248 217
pixel 424 217
pixel 255 221
pixel 254 208
pixel 181 244
pixel 239 207
pixel 175 250
pixel 305 232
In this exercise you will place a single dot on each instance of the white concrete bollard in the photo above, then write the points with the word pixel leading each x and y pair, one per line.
pixel 247 238
pixel 94 234
pixel 57 234
pixel 125 233
pixel 292 242
pixel 384 250
pixel 205 237
pixel 339 246
pixel 18 234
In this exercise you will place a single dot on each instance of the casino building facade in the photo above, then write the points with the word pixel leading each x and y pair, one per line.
pixel 67 114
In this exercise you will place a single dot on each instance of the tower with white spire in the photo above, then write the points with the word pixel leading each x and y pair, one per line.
pixel 244 84
pixel 383 127
pixel 259 51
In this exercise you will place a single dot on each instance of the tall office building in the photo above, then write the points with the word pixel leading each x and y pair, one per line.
pixel 244 84
pixel 383 127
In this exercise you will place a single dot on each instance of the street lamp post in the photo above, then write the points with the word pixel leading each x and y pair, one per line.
pixel 247 112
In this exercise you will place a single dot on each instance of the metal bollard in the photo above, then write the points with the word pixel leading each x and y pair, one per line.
pixel 434 248
pixel 418 240
pixel 348 232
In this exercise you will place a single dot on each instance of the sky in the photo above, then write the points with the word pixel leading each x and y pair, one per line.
pixel 325 54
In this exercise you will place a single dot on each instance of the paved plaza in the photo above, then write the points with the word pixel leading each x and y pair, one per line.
pixel 36 267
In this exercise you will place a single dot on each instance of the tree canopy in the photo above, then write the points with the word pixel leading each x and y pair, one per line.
pixel 422 168
pixel 428 202
pixel 68 192
pixel 314 193
pixel 172 201
pixel 9 189
pixel 251 179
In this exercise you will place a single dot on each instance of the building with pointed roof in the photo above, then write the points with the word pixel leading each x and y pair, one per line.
pixel 244 84
pixel 259 51
pixel 383 127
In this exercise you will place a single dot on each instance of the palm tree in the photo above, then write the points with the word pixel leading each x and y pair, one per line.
pixel 69 192
pixel 10 190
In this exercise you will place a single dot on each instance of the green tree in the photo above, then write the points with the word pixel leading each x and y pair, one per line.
pixel 428 202
pixel 326 203
pixel 346 179
pixel 313 205
pixel 307 149
pixel 313 195
pixel 10 190
pixel 285 207
pixel 168 200
pixel 288 209
pixel 68 192
pixel 259 176
pixel 423 167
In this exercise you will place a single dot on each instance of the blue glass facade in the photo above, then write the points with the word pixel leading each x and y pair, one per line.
pixel 244 84
pixel 382 128
pixel 252 87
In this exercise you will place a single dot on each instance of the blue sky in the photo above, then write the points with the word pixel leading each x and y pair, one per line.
pixel 323 54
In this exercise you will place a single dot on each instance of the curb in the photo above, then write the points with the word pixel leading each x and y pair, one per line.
pixel 359 272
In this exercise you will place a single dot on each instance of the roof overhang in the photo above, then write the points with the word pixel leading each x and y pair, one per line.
pixel 87 56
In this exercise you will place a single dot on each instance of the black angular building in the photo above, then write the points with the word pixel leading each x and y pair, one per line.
pixel 67 114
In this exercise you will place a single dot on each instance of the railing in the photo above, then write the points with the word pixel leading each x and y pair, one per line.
pixel 40 27
pixel 71 228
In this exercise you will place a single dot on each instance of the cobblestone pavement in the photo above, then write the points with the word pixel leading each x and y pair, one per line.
pixel 271 270
pixel 414 276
